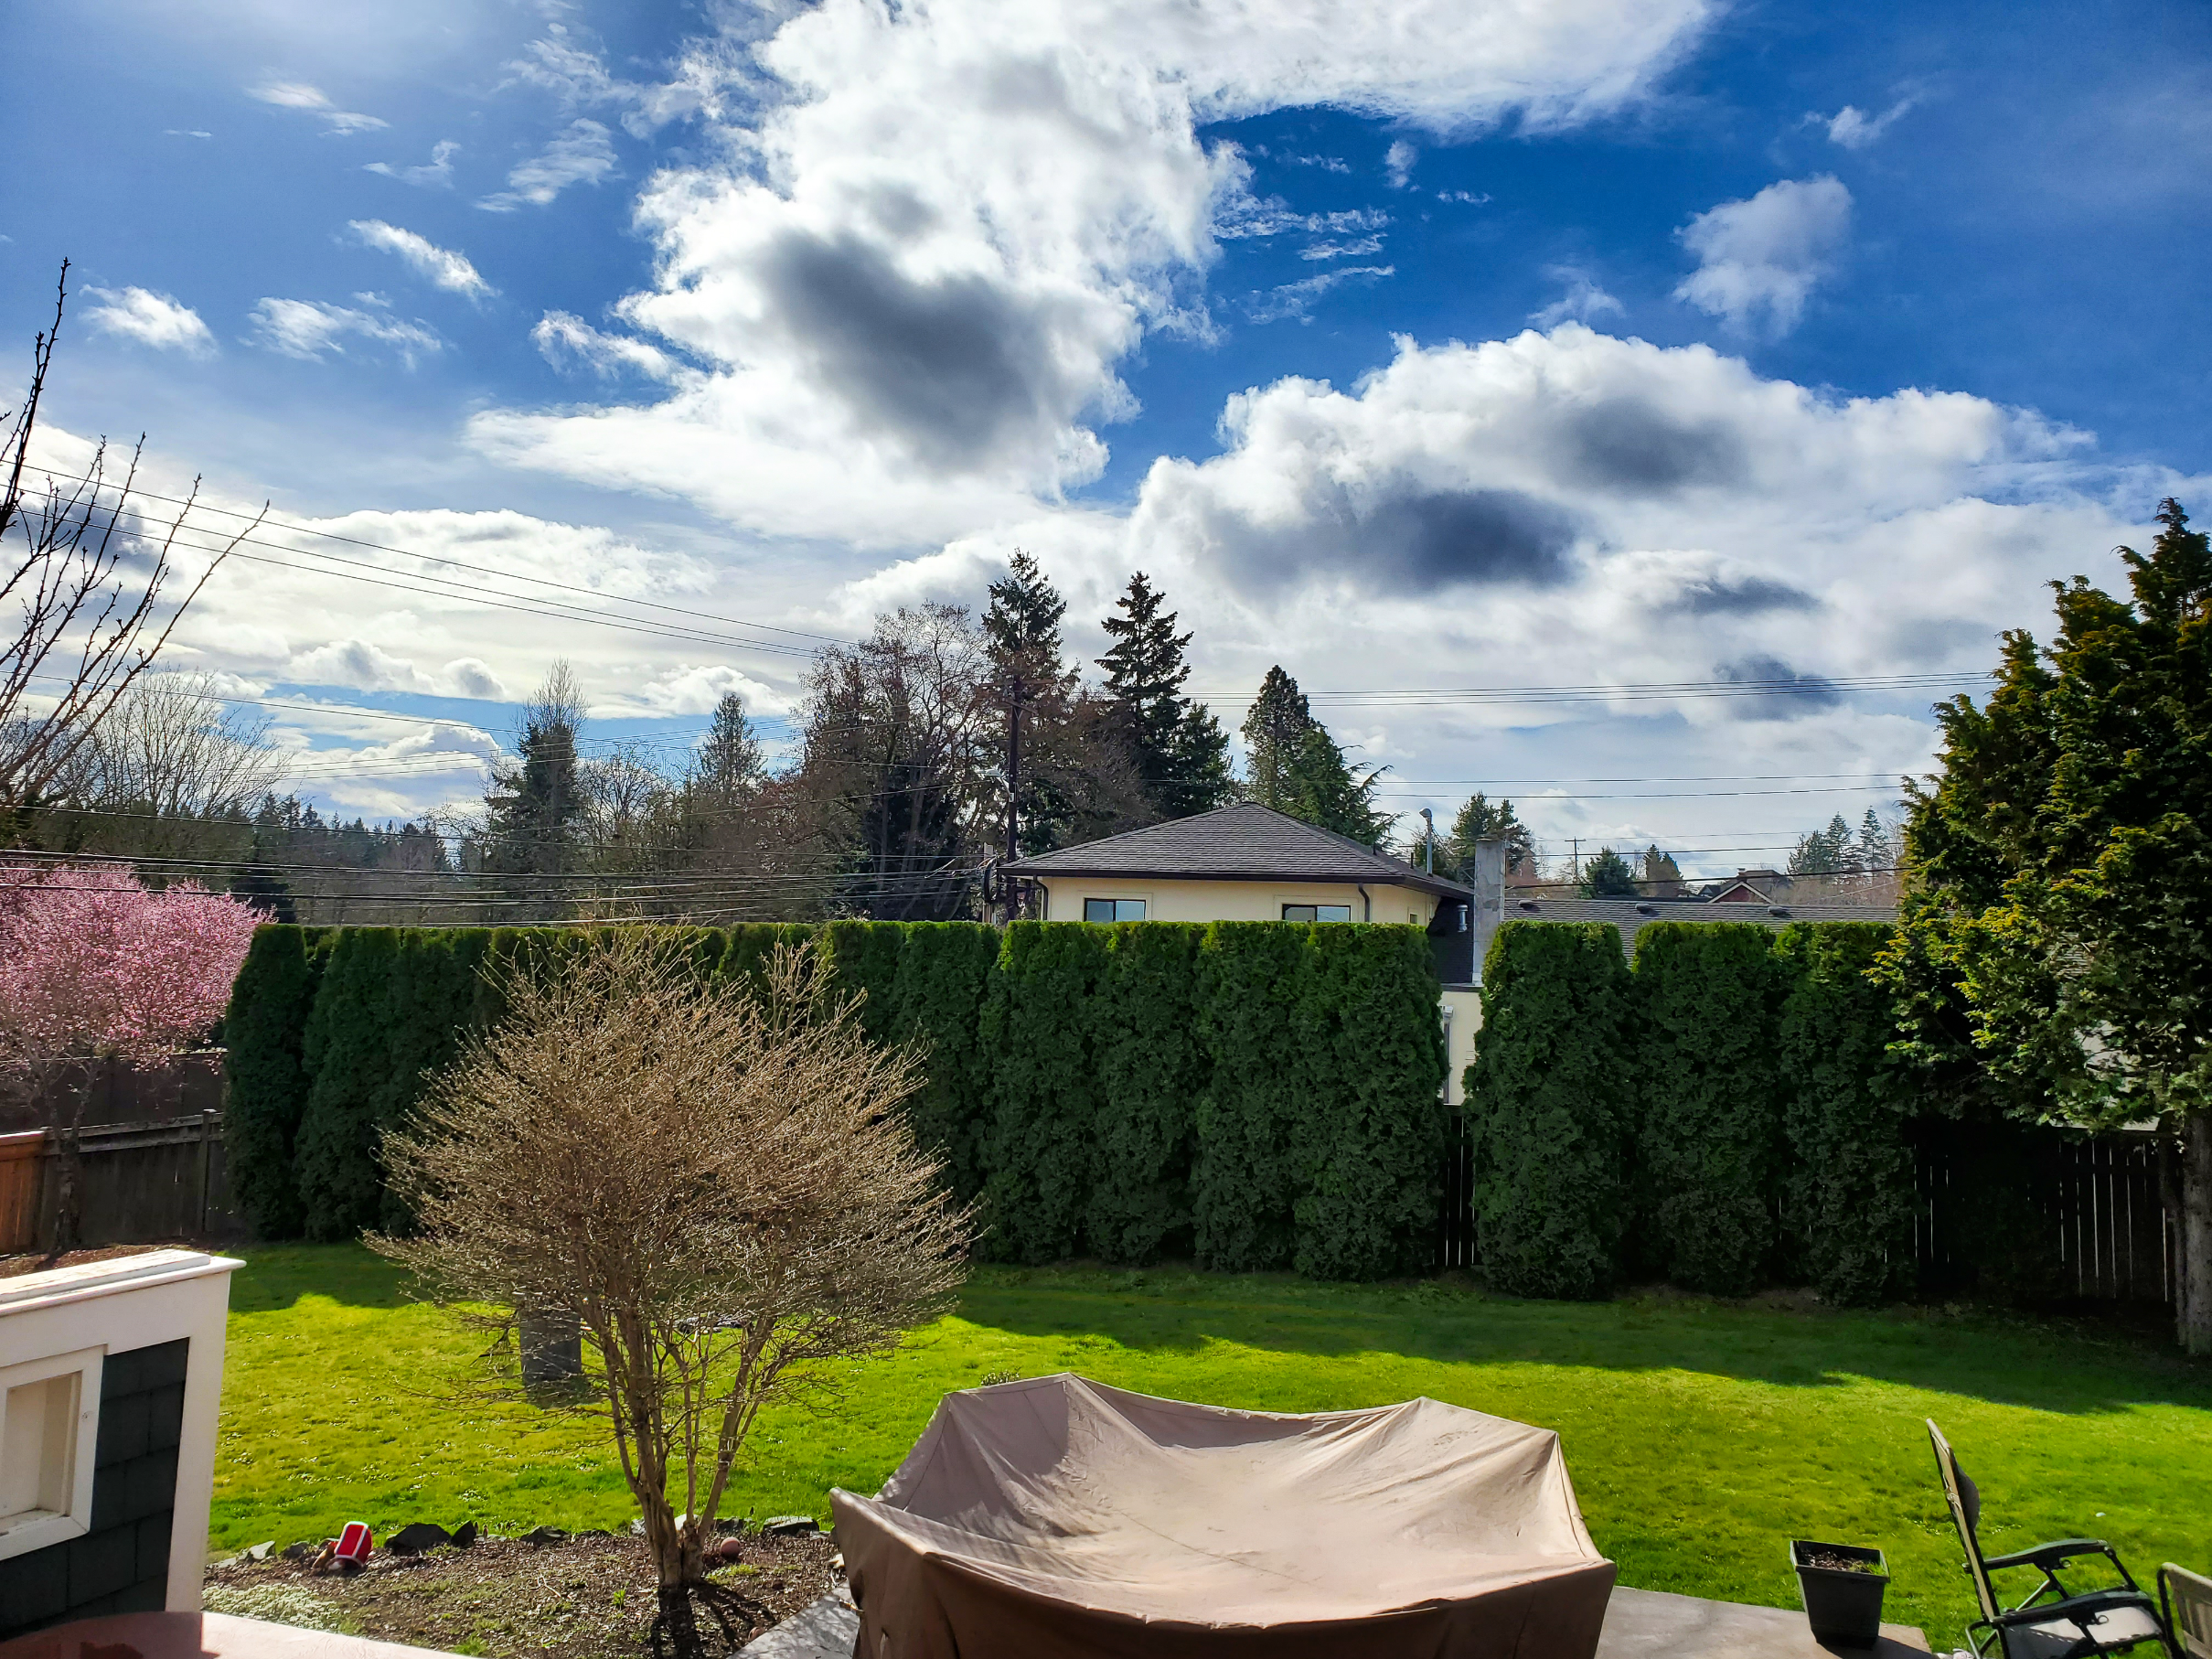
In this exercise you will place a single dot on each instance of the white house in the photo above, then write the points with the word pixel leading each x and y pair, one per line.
pixel 1251 863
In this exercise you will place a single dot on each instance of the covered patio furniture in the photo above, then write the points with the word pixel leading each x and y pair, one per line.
pixel 1057 1517
pixel 2071 1624
pixel 2184 1599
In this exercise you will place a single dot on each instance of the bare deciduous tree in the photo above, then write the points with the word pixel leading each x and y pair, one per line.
pixel 720 1186
pixel 87 585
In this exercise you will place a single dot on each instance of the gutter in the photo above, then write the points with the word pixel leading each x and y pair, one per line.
pixel 1366 903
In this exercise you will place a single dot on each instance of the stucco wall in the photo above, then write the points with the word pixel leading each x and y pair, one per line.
pixel 1463 1019
pixel 1172 901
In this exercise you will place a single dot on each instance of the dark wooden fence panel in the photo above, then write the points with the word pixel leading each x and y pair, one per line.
pixel 135 1184
pixel 1455 1225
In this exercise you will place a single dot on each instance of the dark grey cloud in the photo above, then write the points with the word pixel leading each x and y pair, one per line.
pixel 1400 537
pixel 958 370
pixel 1786 694
pixel 1422 540
pixel 1746 596
pixel 1633 446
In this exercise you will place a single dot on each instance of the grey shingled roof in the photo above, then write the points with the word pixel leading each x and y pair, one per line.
pixel 1629 914
pixel 1247 842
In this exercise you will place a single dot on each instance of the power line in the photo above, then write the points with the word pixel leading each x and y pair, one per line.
pixel 464 564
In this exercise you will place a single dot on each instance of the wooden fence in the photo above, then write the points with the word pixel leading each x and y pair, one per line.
pixel 134 1184
pixel 2000 1209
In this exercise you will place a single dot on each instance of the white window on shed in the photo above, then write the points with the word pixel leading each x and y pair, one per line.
pixel 50 1412
pixel 1113 910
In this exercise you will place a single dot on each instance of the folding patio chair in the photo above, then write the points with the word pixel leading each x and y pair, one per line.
pixel 2073 1626
pixel 2184 1599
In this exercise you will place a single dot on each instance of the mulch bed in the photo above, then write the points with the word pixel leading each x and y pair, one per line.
pixel 589 1598
pixel 41 1261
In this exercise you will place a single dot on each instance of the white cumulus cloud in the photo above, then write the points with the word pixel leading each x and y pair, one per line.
pixel 1852 128
pixel 441 266
pixel 1583 302
pixel 919 241
pixel 152 319
pixel 1759 258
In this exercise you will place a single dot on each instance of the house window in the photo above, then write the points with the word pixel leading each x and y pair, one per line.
pixel 1317 913
pixel 48 1410
pixel 1113 910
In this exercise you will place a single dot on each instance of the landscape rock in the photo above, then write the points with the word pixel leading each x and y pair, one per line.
pixel 260 1552
pixel 546 1535
pixel 465 1534
pixel 729 1549
pixel 417 1537
pixel 788 1526
pixel 301 1552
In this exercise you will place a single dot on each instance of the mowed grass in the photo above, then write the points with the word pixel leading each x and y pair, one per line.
pixel 1701 1436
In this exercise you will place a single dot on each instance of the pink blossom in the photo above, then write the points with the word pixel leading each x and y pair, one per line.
pixel 93 962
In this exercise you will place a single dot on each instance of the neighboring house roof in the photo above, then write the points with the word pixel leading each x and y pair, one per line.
pixel 1247 842
pixel 1629 916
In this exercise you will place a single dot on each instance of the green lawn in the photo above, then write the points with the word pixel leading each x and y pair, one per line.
pixel 1701 1435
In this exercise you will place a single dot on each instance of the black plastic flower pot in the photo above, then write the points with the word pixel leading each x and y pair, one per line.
pixel 1843 1586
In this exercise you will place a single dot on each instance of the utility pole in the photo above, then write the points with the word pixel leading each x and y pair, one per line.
pixel 1013 786
pixel 1428 842
pixel 1576 841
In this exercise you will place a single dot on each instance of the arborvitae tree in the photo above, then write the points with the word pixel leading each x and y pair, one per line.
pixel 1182 752
pixel 267 1077
pixel 1149 1064
pixel 1274 731
pixel 1608 876
pixel 1551 1108
pixel 1711 1142
pixel 1480 821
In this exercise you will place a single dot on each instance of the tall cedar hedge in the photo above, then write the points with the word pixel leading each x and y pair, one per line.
pixel 1368 1123
pixel 1551 1108
pixel 268 1074
pixel 1708 1086
pixel 1149 1068
pixel 1847 1200
pixel 1262 1095
pixel 1041 1049
pixel 1243 1178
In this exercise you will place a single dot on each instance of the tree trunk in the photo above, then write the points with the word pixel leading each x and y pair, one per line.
pixel 2192 1278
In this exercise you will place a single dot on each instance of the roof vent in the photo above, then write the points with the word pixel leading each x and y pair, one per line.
pixel 1528 904
pixel 1782 910
pixel 1646 910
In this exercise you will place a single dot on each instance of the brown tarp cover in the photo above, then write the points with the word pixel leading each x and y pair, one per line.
pixel 1062 1518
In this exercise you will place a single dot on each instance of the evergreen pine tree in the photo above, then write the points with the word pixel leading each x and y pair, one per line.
pixel 1032 692
pixel 1480 821
pixel 730 767
pixel 1608 876
pixel 535 810
pixel 1182 752
pixel 1274 732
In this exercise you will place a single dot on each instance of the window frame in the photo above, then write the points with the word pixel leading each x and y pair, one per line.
pixel 1142 910
pixel 1316 919
pixel 39 1527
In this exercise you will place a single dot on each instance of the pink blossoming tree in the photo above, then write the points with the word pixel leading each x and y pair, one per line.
pixel 91 962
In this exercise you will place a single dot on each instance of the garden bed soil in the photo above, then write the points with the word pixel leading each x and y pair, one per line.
pixel 589 1598
pixel 41 1261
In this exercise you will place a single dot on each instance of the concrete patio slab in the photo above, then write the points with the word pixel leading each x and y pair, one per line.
pixel 1639 1624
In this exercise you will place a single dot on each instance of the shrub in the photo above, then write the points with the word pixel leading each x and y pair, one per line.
pixel 944 969
pixel 341 1185
pixel 1550 1107
pixel 1044 1089
pixel 1847 1204
pixel 1149 1065
pixel 1368 1119
pixel 1710 1140
pixel 1242 1183
pixel 268 1074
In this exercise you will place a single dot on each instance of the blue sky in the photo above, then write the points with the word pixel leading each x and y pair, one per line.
pixel 1413 345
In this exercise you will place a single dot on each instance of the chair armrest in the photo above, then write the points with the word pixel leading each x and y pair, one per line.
pixel 2048 1556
